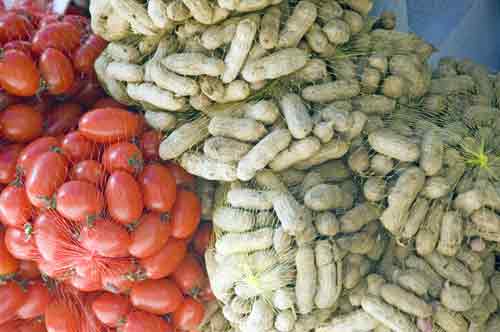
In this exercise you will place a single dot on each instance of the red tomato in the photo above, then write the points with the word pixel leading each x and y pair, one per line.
pixel 13 297
pixel 62 118
pixel 61 317
pixel 124 197
pixel 34 149
pixel 35 325
pixel 56 70
pixel 186 214
pixel 47 174
pixel 158 187
pixel 123 156
pixel 18 74
pixel 15 207
pixel 21 244
pixel 89 92
pixel 48 235
pixel 20 45
pixel 8 264
pixel 14 27
pixel 85 283
pixel 121 279
pixel 111 309
pixel 105 238
pixel 140 321
pixel 107 102
pixel 8 159
pixel 202 238
pixel 79 201
pixel 189 315
pixel 37 299
pixel 150 235
pixel 47 268
pixel 77 147
pixel 87 53
pixel 89 170
pixel 13 325
pixel 189 276
pixel 165 261
pixel 158 297
pixel 182 178
pixel 7 99
pixel 109 125
pixel 150 143
pixel 62 36
pixel 28 270
pixel 205 294
pixel 79 21
pixel 21 123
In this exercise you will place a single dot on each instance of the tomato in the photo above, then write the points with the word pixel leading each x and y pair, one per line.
pixel 150 235
pixel 62 36
pixel 89 92
pixel 165 261
pixel 202 238
pixel 79 21
pixel 34 325
pixel 47 174
pixel 76 147
pixel 8 264
pixel 62 118
pixel 15 207
pixel 57 71
pixel 107 102
pixel 205 294
pixel 111 309
pixel 140 321
pixel 8 159
pixel 37 299
pixel 18 74
pixel 7 99
pixel 34 149
pixel 150 144
pixel 21 123
pixel 20 243
pixel 185 215
pixel 85 283
pixel 182 178
pixel 189 315
pixel 14 27
pixel 124 197
pixel 85 56
pixel 13 325
pixel 158 187
pixel 189 275
pixel 158 297
pixel 109 125
pixel 28 270
pixel 123 156
pixel 89 170
pixel 49 237
pixel 20 45
pixel 61 317
pixel 48 268
pixel 121 279
pixel 105 238
pixel 79 201
pixel 13 297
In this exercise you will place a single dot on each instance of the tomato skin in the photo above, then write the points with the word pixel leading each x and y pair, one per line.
pixel 158 297
pixel 56 70
pixel 14 27
pixel 20 45
pixel 85 283
pixel 62 118
pixel 79 21
pixel 8 264
pixel 123 156
pixel 124 197
pixel 21 123
pixel 62 36
pixel 107 102
pixel 186 214
pixel 8 159
pixel 202 238
pixel 189 315
pixel 36 325
pixel 76 147
pixel 34 149
pixel 59 316
pixel 15 207
pixel 105 238
pixel 109 125
pixel 158 187
pixel 165 262
pixel 89 92
pixel 182 178
pixel 48 237
pixel 119 281
pixel 48 173
pixel 13 297
pixel 150 144
pixel 140 321
pixel 189 275
pixel 28 270
pixel 19 75
pixel 111 309
pixel 79 201
pixel 89 170
pixel 85 56
pixel 150 235
pixel 20 244
pixel 37 300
